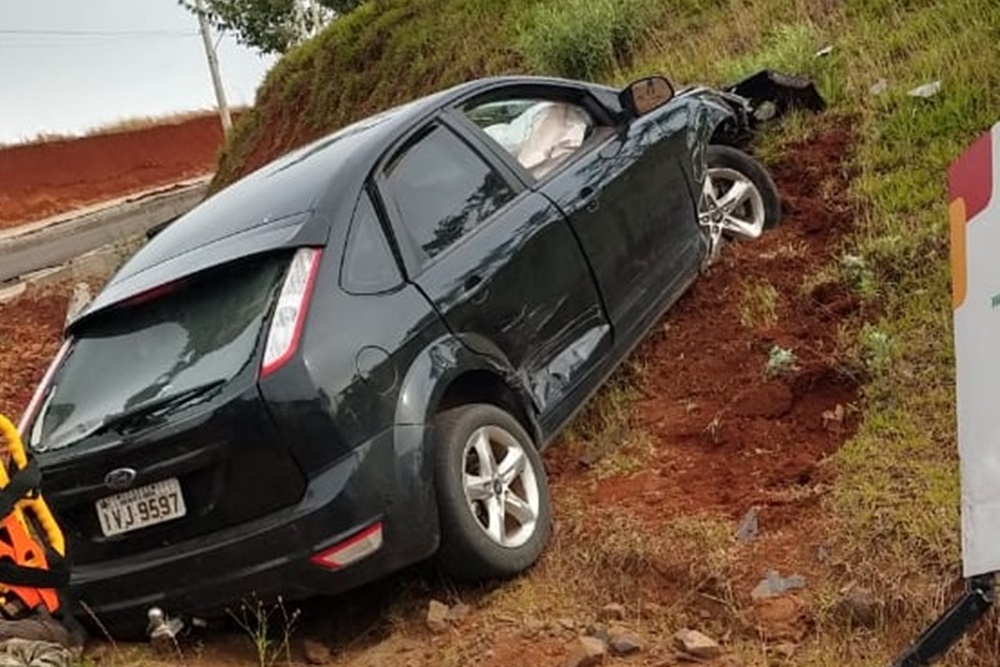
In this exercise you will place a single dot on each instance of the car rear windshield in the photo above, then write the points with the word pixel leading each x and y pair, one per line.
pixel 186 335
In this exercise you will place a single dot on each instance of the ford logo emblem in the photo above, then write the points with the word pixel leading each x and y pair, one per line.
pixel 120 479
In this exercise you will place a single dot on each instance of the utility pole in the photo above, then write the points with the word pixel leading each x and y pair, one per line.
pixel 213 66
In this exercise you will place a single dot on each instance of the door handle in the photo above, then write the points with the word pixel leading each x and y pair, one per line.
pixel 475 288
pixel 590 201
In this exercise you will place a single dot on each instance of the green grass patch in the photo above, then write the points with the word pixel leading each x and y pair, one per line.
pixel 582 39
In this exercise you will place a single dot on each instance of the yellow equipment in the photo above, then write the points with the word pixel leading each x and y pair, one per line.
pixel 32 546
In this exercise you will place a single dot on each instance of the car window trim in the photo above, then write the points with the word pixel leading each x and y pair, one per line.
pixel 386 236
pixel 416 260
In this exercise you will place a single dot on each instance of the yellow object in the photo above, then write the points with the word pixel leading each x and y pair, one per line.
pixel 35 506
pixel 30 531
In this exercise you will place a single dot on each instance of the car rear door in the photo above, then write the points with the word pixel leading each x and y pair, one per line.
pixel 498 261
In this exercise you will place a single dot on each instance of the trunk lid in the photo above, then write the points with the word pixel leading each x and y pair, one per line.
pixel 162 390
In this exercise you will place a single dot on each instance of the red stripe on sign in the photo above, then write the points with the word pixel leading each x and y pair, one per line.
pixel 971 176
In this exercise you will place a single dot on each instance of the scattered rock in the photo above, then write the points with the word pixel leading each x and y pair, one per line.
pixel 749 527
pixel 780 619
pixel 437 616
pixel 697 644
pixel 857 607
pixel 458 613
pixel 624 643
pixel 879 87
pixel 315 652
pixel 773 585
pixel 587 652
pixel 927 90
pixel 612 612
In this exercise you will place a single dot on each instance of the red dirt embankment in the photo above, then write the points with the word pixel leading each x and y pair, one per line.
pixel 42 179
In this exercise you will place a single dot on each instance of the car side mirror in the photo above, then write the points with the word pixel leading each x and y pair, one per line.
pixel 645 95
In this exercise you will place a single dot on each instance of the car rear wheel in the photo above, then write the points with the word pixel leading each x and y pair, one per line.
pixel 493 496
pixel 738 195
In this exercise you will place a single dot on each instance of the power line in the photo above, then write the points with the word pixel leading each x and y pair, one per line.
pixel 97 33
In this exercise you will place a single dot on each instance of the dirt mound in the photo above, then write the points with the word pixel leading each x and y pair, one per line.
pixel 41 179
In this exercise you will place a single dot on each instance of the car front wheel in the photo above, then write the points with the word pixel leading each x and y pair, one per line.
pixel 493 496
pixel 739 198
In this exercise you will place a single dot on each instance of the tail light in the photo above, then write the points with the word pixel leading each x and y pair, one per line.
pixel 36 399
pixel 290 313
pixel 351 550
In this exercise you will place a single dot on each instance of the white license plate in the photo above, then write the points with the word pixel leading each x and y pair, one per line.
pixel 137 508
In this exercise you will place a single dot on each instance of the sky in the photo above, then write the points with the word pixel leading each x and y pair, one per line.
pixel 67 66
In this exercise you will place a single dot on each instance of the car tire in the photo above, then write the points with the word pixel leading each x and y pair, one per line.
pixel 496 517
pixel 760 209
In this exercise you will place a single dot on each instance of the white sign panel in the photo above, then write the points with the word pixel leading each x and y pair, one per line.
pixel 975 258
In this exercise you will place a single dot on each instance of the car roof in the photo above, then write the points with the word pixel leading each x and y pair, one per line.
pixel 290 201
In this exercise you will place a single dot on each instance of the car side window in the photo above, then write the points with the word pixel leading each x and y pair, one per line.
pixel 540 134
pixel 442 190
pixel 369 266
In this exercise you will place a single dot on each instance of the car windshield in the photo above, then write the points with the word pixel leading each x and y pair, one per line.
pixel 173 341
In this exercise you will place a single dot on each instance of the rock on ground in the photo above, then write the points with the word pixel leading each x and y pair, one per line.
pixel 587 652
pixel 697 644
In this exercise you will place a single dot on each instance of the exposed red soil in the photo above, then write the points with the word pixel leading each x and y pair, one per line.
pixel 30 333
pixel 42 179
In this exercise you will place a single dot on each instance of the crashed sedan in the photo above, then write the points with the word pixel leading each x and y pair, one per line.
pixel 350 360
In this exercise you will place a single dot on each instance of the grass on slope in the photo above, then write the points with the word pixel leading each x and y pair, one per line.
pixel 896 497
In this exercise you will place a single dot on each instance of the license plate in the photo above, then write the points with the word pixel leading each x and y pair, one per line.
pixel 138 508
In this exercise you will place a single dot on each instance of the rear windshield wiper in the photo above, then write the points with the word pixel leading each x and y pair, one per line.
pixel 144 413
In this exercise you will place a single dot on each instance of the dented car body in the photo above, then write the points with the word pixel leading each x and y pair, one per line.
pixel 249 406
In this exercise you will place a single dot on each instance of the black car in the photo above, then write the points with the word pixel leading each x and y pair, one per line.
pixel 350 360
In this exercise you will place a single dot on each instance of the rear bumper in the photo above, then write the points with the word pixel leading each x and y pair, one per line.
pixel 383 480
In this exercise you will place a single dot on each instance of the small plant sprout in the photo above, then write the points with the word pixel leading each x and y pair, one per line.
pixel 780 362
pixel 270 628
pixel 877 349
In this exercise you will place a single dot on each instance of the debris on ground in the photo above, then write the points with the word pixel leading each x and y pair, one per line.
pixel 879 87
pixel 437 616
pixel 926 90
pixel 773 585
pixel 697 644
pixel 587 652
pixel 749 526
pixel 624 643
pixel 825 51
pixel 33 653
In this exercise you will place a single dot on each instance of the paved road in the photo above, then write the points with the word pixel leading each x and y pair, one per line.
pixel 57 243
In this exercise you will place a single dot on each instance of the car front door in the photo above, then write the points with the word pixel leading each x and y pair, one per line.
pixel 498 261
pixel 622 189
